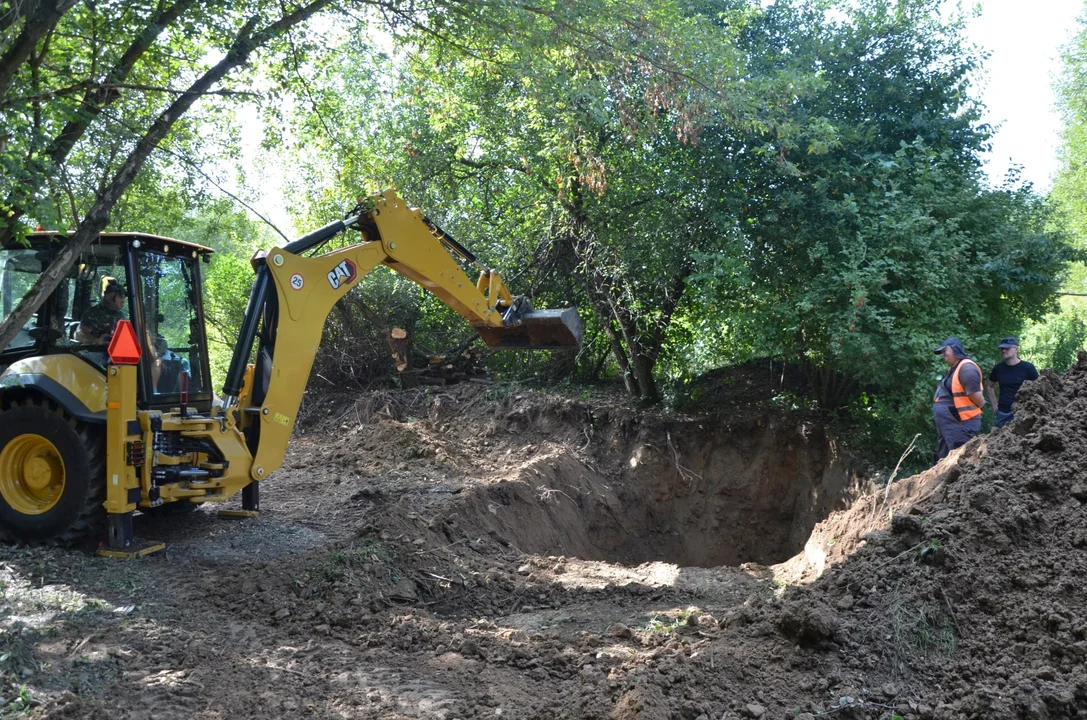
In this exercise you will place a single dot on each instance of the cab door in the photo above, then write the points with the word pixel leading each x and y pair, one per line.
pixel 175 361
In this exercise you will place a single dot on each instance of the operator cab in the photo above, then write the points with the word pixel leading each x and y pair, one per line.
pixel 159 280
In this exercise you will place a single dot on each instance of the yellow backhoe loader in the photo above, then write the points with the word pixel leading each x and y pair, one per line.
pixel 98 425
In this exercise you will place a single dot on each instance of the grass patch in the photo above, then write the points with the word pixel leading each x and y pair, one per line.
pixel 667 622
pixel 921 630
pixel 346 563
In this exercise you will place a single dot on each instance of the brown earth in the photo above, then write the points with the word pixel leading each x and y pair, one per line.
pixel 478 553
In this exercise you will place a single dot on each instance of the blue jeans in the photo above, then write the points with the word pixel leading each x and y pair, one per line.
pixel 1003 418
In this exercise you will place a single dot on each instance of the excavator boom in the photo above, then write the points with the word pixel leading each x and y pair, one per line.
pixel 294 293
pixel 407 242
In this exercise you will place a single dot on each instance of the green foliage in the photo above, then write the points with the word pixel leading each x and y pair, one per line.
pixel 863 256
pixel 869 285
pixel 1070 186
pixel 227 281
pixel 857 257
pixel 355 350
pixel 1053 342
pixel 21 705
pixel 564 144
pixel 228 278
pixel 708 182
pixel 88 95
pixel 726 181
pixel 75 108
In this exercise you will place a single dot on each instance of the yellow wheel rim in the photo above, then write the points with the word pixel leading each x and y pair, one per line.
pixel 31 474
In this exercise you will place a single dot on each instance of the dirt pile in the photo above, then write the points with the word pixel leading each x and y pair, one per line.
pixel 959 595
pixel 972 601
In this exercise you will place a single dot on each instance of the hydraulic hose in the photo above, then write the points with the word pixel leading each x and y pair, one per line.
pixel 240 359
pixel 259 294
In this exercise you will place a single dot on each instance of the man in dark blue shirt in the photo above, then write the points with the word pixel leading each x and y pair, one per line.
pixel 1010 376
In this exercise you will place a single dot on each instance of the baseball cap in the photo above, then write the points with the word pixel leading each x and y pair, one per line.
pixel 110 284
pixel 1008 342
pixel 954 343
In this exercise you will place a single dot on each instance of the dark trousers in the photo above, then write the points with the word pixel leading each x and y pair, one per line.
pixel 1003 418
pixel 952 433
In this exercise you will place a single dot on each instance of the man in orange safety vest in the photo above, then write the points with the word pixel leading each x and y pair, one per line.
pixel 959 399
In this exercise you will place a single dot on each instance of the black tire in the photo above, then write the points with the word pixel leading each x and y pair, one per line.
pixel 77 453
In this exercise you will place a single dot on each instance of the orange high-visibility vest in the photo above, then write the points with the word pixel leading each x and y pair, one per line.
pixel 965 409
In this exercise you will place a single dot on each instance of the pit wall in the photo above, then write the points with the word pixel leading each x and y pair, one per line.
pixel 693 493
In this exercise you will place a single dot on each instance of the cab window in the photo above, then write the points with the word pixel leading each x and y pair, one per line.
pixel 171 331
pixel 19 269
pixel 93 296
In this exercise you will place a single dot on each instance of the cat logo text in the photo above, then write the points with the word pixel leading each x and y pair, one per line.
pixel 342 274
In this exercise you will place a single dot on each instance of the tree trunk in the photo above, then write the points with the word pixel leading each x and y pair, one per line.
pixel 636 345
pixel 16 12
pixel 640 359
pixel 597 288
pixel 400 344
pixel 98 216
pixel 607 320
pixel 643 371
pixel 598 366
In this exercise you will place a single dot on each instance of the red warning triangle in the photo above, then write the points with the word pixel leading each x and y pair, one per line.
pixel 124 348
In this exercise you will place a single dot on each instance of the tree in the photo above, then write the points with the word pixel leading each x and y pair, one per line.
pixel 1070 186
pixel 1053 341
pixel 577 160
pixel 119 59
pixel 861 254
pixel 65 65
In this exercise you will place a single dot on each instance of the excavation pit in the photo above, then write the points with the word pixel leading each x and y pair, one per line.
pixel 688 495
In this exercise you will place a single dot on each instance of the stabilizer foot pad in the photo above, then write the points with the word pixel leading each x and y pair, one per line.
pixel 139 549
pixel 239 513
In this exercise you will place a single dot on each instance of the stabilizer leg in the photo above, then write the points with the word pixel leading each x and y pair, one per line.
pixel 121 542
pixel 250 503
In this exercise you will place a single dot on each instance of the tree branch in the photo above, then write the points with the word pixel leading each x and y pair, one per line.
pixel 95 100
pixel 491 165
pixel 44 18
pixel 349 152
pixel 110 88
pixel 604 42
pixel 223 190
pixel 96 219
pixel 16 12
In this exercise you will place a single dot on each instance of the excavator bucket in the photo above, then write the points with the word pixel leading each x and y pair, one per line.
pixel 536 330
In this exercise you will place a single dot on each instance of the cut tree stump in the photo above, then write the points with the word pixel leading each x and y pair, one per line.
pixel 415 369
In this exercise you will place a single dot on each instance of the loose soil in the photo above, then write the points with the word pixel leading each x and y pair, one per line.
pixel 476 552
